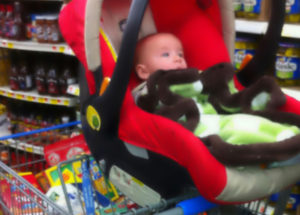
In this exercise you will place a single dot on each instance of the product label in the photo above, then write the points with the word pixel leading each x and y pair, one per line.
pixel 28 80
pixel 8 29
pixel 13 82
pixel 54 37
pixel 238 5
pixel 292 6
pixel 41 85
pixel 48 31
pixel 239 55
pixel 53 86
pixel 287 68
pixel 14 30
pixel 39 32
pixel 252 6
pixel 22 83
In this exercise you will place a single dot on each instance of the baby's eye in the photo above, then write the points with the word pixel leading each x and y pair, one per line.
pixel 180 54
pixel 165 54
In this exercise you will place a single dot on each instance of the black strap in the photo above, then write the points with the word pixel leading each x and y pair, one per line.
pixel 265 55
pixel 109 104
pixel 121 75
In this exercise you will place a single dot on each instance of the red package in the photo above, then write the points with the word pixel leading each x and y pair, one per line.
pixel 19 198
pixel 65 149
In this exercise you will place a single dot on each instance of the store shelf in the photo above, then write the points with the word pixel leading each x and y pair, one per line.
pixel 33 96
pixel 34 46
pixel 260 27
pixel 23 146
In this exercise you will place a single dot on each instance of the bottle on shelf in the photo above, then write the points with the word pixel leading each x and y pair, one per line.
pixel 31 28
pixel 41 33
pixel 40 77
pixel 8 22
pixel 25 77
pixel 67 76
pixel 3 68
pixel 2 19
pixel 14 73
pixel 52 29
pixel 18 26
pixel 52 78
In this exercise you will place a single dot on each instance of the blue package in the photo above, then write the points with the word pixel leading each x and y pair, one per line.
pixel 287 68
pixel 292 6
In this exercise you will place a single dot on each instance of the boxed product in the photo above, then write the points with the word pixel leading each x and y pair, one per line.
pixel 257 9
pixel 65 149
pixel 67 174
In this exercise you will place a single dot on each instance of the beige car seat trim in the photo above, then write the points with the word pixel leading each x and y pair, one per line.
pixel 228 25
pixel 91 33
pixel 248 183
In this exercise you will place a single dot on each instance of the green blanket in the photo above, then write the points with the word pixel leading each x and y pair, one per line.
pixel 237 126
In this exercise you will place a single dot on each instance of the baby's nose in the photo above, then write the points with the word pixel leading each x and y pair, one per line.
pixel 177 58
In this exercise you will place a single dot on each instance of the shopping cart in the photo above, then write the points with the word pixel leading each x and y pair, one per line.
pixel 18 196
pixel 21 157
pixel 26 199
pixel 78 193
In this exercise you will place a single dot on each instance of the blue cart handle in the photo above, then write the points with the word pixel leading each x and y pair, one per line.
pixel 195 205
pixel 69 124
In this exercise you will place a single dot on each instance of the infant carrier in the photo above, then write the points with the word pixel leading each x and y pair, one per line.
pixel 159 152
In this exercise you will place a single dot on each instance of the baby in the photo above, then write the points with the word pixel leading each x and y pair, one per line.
pixel 162 54
pixel 155 52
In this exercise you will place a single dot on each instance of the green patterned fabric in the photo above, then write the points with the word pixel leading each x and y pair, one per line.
pixel 234 128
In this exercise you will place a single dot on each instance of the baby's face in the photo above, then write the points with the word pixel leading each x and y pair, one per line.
pixel 163 52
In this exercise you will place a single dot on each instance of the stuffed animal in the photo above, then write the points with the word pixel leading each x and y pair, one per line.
pixel 197 96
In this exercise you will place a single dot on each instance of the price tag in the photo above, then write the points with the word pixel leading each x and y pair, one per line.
pixel 54 101
pixel 10 95
pixel 30 98
pixel 20 146
pixel 61 49
pixel 38 150
pixel 41 100
pixel 10 45
pixel 66 102
pixel 77 92
pixel 19 96
pixel 2 92
pixel 29 149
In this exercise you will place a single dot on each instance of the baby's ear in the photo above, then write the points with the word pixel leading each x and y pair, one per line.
pixel 142 71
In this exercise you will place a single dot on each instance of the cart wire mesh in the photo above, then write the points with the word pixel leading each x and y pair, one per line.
pixel 19 197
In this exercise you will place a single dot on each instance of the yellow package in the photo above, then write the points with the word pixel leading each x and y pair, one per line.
pixel 67 171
